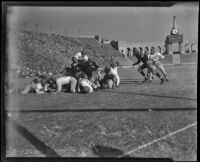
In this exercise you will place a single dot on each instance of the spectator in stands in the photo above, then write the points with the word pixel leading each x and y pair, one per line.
pixel 46 47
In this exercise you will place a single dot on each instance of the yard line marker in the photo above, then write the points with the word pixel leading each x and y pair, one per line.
pixel 159 139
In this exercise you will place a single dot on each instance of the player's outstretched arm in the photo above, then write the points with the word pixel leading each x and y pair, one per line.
pixel 161 55
pixel 137 62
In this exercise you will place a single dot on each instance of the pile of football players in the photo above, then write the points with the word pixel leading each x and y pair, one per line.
pixel 84 76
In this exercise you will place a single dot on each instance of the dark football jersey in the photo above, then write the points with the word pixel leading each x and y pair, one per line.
pixel 52 82
pixel 75 67
pixel 143 58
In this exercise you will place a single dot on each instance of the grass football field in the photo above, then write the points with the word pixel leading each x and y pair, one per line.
pixel 138 120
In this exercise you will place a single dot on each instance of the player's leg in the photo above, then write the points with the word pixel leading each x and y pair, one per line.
pixel 27 89
pixel 102 83
pixel 78 78
pixel 117 80
pixel 152 68
pixel 73 83
pixel 160 66
pixel 94 79
pixel 149 75
pixel 141 71
pixel 59 85
pixel 110 84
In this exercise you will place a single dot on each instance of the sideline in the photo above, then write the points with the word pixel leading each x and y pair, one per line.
pixel 159 139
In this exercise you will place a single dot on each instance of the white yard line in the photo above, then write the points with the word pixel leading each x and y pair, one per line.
pixel 159 139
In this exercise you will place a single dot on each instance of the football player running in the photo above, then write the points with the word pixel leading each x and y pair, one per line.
pixel 155 57
pixel 147 63
pixel 142 58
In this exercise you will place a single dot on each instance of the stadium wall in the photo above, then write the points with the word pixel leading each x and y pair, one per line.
pixel 188 47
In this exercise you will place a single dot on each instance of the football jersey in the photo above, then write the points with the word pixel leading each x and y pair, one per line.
pixel 143 58
pixel 156 56
pixel 86 83
pixel 75 67
pixel 37 87
pixel 51 82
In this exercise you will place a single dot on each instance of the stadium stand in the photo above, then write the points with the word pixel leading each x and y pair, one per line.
pixel 105 50
pixel 44 53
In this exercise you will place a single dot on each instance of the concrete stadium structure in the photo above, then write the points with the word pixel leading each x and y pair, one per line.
pixel 187 47
pixel 173 44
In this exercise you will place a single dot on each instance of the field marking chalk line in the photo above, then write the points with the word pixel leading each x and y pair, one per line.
pixel 159 139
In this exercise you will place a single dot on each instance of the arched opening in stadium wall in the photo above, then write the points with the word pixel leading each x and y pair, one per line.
pixel 158 49
pixel 128 51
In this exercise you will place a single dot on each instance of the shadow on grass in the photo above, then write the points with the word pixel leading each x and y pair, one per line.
pixel 131 81
pixel 106 152
pixel 152 95
pixel 46 150
pixel 103 110
pixel 138 83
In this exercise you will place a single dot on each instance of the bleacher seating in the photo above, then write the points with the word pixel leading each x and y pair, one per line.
pixel 41 52
pixel 105 50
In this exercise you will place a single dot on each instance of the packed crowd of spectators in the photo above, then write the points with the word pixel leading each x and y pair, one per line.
pixel 41 53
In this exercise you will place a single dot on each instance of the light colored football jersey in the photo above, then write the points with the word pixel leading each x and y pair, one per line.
pixel 38 87
pixel 64 79
pixel 86 83
pixel 156 56
pixel 115 73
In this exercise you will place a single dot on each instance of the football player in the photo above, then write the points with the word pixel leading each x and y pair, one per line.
pixel 66 80
pixel 85 86
pixel 34 87
pixel 142 58
pixel 155 57
pixel 55 84
pixel 110 78
pixel 147 63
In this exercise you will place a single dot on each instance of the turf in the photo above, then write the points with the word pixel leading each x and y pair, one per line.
pixel 108 123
